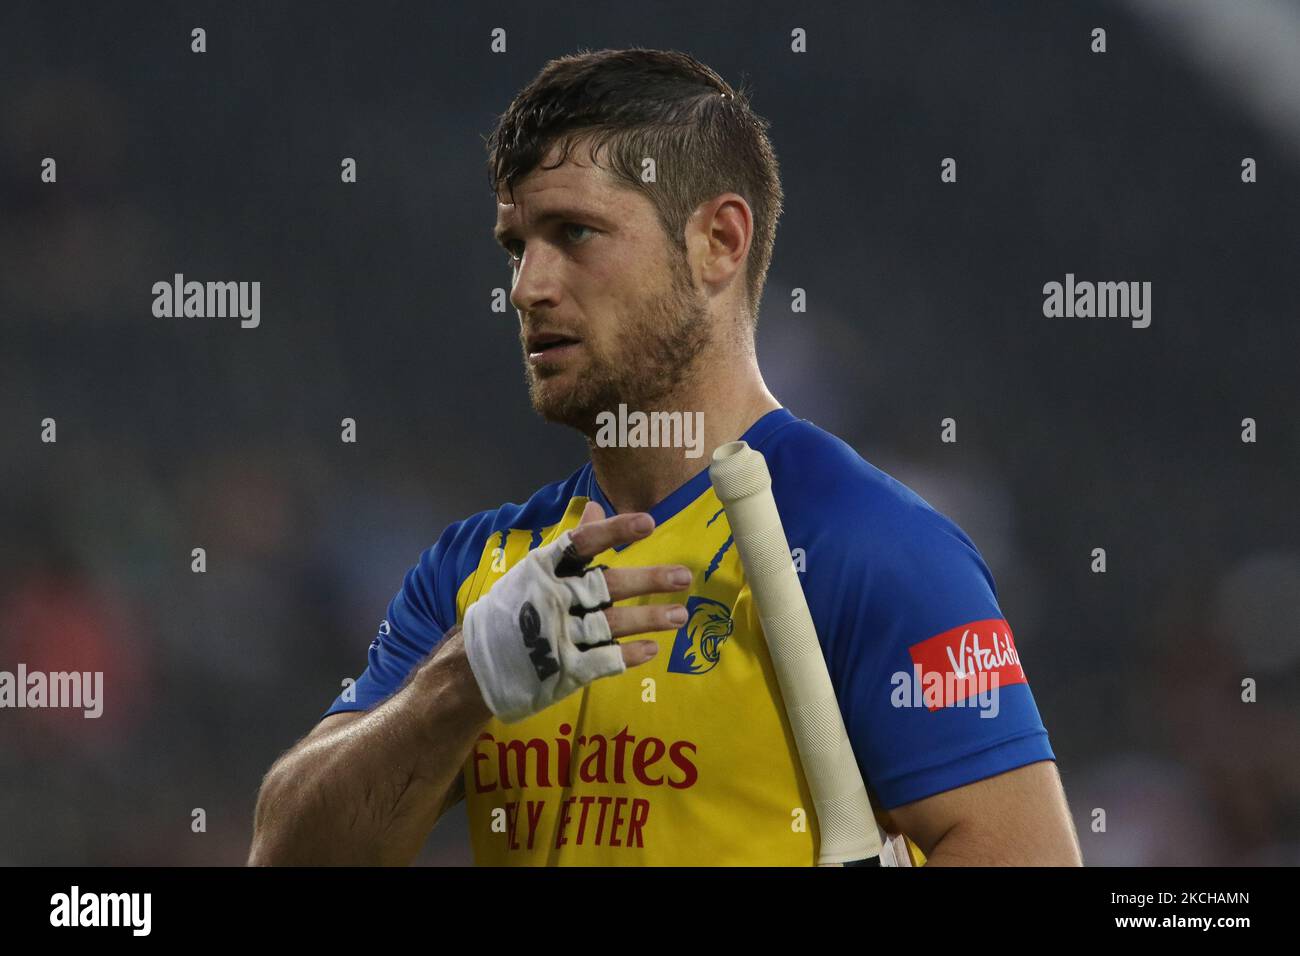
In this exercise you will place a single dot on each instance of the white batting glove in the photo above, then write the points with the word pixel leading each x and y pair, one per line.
pixel 539 634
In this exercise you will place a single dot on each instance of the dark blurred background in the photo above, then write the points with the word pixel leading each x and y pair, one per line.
pixel 925 302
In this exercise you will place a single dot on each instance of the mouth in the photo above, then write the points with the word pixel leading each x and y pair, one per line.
pixel 546 348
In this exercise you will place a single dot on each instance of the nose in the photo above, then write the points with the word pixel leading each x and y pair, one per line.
pixel 536 279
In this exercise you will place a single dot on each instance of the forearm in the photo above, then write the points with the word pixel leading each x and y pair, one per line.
pixel 370 792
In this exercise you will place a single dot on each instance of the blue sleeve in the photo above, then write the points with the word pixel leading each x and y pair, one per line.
pixel 922 660
pixel 926 665
pixel 418 617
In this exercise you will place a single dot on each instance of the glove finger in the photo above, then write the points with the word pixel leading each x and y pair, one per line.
pixel 597 661
pixel 568 562
pixel 591 631
pixel 588 592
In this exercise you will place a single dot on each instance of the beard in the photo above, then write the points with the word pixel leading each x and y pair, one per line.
pixel 657 348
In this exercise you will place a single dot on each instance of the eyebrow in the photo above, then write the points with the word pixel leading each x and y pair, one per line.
pixel 560 213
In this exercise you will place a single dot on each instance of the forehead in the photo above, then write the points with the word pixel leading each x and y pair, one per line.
pixel 575 186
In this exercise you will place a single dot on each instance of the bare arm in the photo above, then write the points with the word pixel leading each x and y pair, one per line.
pixel 1017 818
pixel 367 788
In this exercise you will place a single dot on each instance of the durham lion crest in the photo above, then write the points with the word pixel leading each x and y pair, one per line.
pixel 699 641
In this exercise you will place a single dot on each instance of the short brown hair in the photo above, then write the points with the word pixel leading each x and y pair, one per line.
pixel 658 103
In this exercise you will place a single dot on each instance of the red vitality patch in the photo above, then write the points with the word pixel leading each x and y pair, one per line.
pixel 968 657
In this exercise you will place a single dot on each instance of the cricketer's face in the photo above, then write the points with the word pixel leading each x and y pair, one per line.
pixel 607 310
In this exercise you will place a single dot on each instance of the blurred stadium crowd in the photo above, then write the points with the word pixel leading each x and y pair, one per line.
pixel 924 303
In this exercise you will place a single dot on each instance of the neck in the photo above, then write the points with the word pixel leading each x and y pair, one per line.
pixel 636 479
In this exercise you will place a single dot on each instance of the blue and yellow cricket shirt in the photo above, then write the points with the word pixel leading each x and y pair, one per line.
pixel 689 759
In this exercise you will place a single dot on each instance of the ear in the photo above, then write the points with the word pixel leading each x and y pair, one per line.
pixel 718 237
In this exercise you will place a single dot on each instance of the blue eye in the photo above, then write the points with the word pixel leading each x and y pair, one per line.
pixel 573 232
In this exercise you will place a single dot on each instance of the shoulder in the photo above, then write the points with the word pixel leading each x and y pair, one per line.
pixel 876 557
pixel 825 490
pixel 457 551
pixel 469 534
pixel 900 597
pixel 424 608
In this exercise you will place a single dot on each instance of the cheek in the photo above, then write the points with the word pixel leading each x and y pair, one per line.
pixel 611 290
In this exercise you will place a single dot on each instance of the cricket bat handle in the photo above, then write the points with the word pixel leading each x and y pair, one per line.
pixel 849 834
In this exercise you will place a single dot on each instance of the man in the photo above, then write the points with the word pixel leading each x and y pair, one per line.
pixel 637 202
